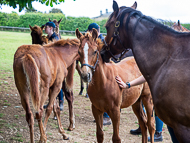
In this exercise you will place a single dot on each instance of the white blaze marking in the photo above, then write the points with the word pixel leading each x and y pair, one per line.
pixel 86 55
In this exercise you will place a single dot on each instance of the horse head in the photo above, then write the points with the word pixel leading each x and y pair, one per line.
pixel 89 53
pixel 37 35
pixel 114 26
pixel 56 29
pixel 178 27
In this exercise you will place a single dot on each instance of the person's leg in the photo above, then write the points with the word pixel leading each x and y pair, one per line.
pixel 61 100
pixel 174 139
pixel 159 124
pixel 106 119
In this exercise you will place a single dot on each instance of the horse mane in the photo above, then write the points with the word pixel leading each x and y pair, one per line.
pixel 133 12
pixel 64 42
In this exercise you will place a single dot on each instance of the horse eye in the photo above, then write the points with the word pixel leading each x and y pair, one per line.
pixel 95 52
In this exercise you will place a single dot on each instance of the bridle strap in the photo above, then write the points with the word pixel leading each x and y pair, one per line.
pixel 92 67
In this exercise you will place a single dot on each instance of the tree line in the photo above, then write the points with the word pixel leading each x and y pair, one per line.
pixel 67 23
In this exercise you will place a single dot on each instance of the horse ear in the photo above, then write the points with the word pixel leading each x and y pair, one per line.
pixel 178 23
pixel 59 20
pixel 94 34
pixel 115 6
pixel 78 34
pixel 30 27
pixel 49 19
pixel 42 27
pixel 134 6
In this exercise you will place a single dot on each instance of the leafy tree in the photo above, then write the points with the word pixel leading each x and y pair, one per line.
pixel 55 10
pixel 28 3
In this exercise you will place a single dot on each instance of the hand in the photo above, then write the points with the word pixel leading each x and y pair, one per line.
pixel 120 82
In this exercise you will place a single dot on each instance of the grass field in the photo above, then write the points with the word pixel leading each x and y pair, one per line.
pixel 9 43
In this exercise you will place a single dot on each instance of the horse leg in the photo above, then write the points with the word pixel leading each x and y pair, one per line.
pixel 29 115
pixel 69 98
pixel 24 95
pixel 115 117
pixel 81 86
pixel 148 104
pixel 68 89
pixel 52 97
pixel 78 68
pixel 138 110
pixel 39 114
pixel 87 90
pixel 98 115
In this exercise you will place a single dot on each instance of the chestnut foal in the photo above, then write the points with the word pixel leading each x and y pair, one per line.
pixel 37 38
pixel 104 92
pixel 39 72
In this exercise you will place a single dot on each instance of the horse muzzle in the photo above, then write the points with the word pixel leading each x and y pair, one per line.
pixel 86 77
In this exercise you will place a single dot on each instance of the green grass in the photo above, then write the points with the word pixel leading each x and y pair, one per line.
pixel 9 42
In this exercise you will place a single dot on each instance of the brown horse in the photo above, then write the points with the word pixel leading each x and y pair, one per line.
pixel 39 72
pixel 56 29
pixel 37 35
pixel 68 91
pixel 162 55
pixel 178 27
pixel 104 92
pixel 37 38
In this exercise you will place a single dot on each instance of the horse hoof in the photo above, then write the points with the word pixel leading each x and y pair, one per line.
pixel 70 129
pixel 67 138
pixel 80 93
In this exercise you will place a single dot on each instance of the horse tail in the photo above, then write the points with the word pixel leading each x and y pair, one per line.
pixel 33 78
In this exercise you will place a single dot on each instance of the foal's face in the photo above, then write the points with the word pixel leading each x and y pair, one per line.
pixel 88 56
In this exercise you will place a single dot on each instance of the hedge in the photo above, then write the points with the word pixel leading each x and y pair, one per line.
pixel 68 23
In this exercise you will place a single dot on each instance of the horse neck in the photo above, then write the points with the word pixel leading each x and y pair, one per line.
pixel 69 53
pixel 100 75
pixel 37 40
pixel 150 47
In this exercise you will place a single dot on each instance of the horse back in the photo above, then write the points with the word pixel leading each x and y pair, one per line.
pixel 45 58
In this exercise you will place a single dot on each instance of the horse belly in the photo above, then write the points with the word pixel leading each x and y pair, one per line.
pixel 130 96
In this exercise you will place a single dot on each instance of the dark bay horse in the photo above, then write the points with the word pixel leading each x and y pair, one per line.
pixel 104 92
pixel 39 72
pixel 162 55
pixel 37 38
pixel 178 27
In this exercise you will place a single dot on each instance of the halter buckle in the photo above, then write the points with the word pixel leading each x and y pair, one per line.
pixel 116 33
pixel 117 23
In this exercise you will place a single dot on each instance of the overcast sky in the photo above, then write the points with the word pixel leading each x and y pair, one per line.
pixel 161 9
